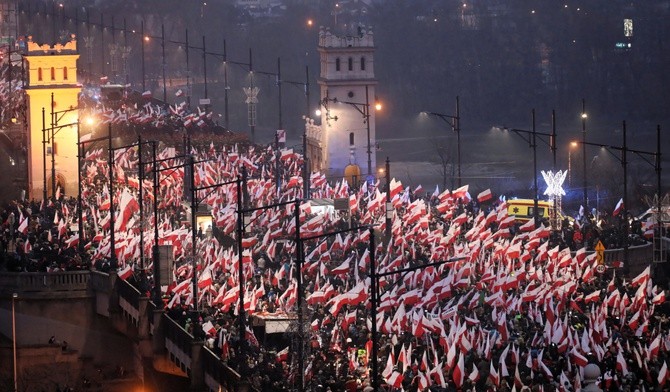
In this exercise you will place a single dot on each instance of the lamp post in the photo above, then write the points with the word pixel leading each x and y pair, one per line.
pixel 623 159
pixel 364 110
pixel 584 116
pixel 455 123
pixel 16 373
pixel 531 138
pixel 112 259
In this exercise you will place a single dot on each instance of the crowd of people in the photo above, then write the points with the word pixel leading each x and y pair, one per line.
pixel 495 305
pixel 510 307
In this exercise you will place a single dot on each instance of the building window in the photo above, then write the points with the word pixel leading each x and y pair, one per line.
pixel 39 74
pixel 351 64
pixel 337 64
pixel 64 73
pixel 53 73
pixel 362 63
pixel 351 138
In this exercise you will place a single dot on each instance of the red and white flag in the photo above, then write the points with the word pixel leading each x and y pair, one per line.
pixel 485 196
pixel 125 272
pixel 618 208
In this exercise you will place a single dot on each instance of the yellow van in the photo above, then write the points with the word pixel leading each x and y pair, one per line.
pixel 523 209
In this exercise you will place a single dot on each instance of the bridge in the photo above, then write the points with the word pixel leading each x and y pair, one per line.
pixel 105 319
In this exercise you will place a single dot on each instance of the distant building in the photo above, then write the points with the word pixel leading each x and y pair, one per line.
pixel 347 81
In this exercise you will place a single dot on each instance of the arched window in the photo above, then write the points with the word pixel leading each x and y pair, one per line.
pixel 337 64
pixel 39 74
pixel 64 73
pixel 351 138
pixel 362 63
pixel 351 64
pixel 53 73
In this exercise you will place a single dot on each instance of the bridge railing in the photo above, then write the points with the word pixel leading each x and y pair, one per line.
pixel 178 344
pixel 219 376
pixel 45 282
pixel 129 301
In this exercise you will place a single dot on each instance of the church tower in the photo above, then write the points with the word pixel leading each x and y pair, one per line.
pixel 347 82
pixel 52 97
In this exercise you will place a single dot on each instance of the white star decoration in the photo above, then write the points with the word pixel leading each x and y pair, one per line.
pixel 554 182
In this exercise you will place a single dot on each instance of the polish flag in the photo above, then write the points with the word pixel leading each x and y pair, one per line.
pixel 663 374
pixel 126 272
pixel 395 187
pixel 147 94
pixel 460 192
pixel 23 226
pixel 474 376
pixel 208 328
pixel 642 278
pixel 528 226
pixel 577 358
pixel 282 356
pixel 485 196
pixel 493 374
pixel 395 380
pixel 618 208
pixel 459 371
pixel 621 364
pixel 593 297
pixel 205 279
pixel 658 298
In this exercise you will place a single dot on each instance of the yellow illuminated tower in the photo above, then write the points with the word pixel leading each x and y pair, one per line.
pixel 52 98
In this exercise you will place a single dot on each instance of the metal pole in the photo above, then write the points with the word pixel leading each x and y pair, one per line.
pixel 140 177
pixel 252 112
pixel 80 212
pixel 44 157
pixel 194 232
pixel 102 43
pixel 226 117
pixel 552 143
pixel 188 75
pixel 624 163
pixel 387 209
pixel 367 123
pixel 299 262
pixel 373 301
pixel 53 150
pixel 305 167
pixel 164 65
pixel 457 128
pixel 240 267
pixel 155 249
pixel 112 260
pixel 204 64
pixel 586 194
pixel 534 145
pixel 280 125
pixel 659 218
pixel 144 83
pixel 16 373
pixel 277 159
pixel 305 157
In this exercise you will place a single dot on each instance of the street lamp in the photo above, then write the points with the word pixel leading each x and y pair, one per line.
pixel 363 109
pixel 624 163
pixel 455 123
pixel 531 138
pixel 584 116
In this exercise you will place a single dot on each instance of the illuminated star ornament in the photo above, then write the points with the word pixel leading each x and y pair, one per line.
pixel 554 182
